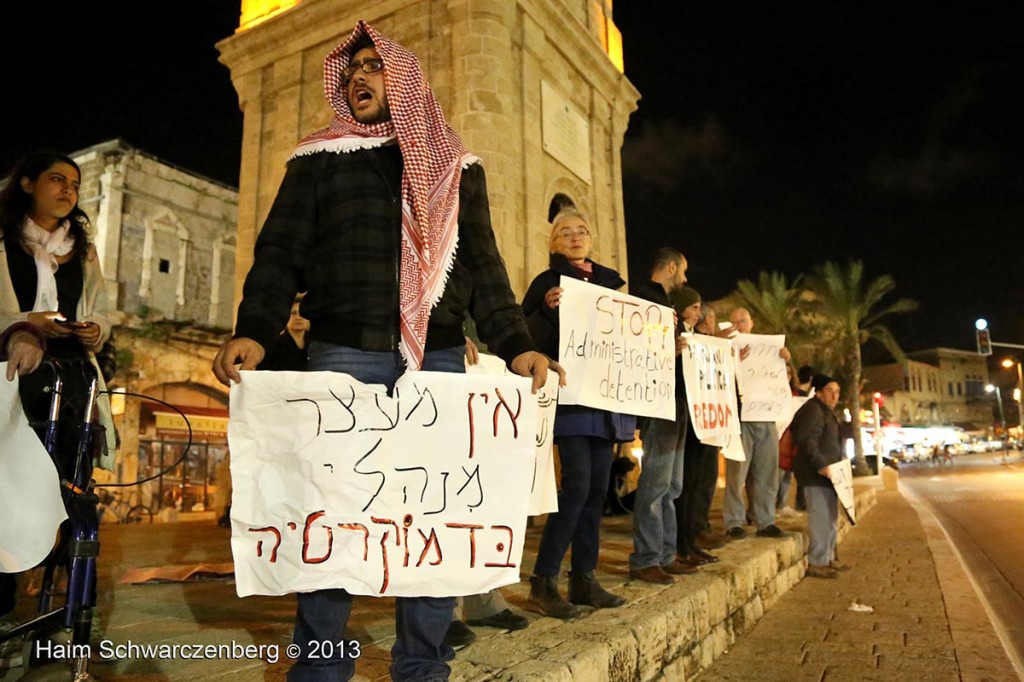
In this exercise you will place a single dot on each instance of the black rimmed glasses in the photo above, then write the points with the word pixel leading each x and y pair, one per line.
pixel 371 65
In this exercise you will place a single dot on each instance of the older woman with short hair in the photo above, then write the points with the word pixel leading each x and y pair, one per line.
pixel 585 436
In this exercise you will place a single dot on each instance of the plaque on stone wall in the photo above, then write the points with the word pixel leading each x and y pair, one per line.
pixel 565 132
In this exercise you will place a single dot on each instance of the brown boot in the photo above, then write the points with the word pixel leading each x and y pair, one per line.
pixel 545 599
pixel 584 589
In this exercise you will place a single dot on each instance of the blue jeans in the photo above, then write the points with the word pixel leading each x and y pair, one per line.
pixel 661 482
pixel 419 653
pixel 759 472
pixel 822 523
pixel 586 467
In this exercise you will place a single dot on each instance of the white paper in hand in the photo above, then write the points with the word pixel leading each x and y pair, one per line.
pixel 30 503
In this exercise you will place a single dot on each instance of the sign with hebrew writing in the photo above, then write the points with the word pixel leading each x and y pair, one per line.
pixel 336 484
pixel 544 489
pixel 761 377
pixel 709 372
pixel 841 475
pixel 618 351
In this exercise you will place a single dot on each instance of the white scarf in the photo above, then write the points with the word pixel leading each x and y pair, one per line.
pixel 45 247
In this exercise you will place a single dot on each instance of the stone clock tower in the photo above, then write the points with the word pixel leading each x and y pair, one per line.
pixel 534 87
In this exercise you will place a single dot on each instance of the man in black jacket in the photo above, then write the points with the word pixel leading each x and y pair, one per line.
pixel 382 218
pixel 816 431
pixel 654 557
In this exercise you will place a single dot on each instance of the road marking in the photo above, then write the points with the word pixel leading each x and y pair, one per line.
pixel 924 512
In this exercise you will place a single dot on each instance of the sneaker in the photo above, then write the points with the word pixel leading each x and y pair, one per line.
pixel 11 649
pixel 736 533
pixel 506 620
pixel 459 635
pixel 770 531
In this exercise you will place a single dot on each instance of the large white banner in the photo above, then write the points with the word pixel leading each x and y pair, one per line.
pixel 761 377
pixel 544 490
pixel 336 484
pixel 618 351
pixel 710 375
pixel 30 504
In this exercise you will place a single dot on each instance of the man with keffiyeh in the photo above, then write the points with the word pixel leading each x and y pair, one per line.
pixel 382 218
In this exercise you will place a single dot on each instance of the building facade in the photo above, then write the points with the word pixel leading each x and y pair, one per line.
pixel 937 386
pixel 166 243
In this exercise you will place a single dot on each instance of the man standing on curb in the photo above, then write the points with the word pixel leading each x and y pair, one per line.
pixel 383 220
pixel 816 431
pixel 759 472
pixel 661 475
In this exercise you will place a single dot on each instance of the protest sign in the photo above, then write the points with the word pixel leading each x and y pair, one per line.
pixel 30 502
pixel 761 377
pixel 841 475
pixel 618 351
pixel 709 374
pixel 338 485
pixel 544 490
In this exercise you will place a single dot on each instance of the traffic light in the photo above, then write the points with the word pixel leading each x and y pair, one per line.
pixel 984 342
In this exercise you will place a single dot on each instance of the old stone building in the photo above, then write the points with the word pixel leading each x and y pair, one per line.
pixel 533 87
pixel 937 386
pixel 166 242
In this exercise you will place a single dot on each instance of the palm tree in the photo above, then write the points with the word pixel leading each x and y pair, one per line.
pixel 852 306
pixel 781 307
pixel 773 302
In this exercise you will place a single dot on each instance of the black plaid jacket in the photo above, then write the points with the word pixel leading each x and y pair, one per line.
pixel 334 231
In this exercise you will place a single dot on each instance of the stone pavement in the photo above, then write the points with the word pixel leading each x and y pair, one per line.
pixel 662 633
pixel 918 606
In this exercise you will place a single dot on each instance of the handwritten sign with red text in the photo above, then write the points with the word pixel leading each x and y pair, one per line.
pixel 338 485
pixel 618 351
pixel 710 375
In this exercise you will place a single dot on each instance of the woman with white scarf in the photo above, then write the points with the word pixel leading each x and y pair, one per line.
pixel 50 275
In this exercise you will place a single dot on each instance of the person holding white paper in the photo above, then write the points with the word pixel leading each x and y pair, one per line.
pixel 382 218
pixel 816 431
pixel 585 436
pixel 759 472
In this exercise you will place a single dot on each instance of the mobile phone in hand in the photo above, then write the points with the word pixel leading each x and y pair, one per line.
pixel 72 325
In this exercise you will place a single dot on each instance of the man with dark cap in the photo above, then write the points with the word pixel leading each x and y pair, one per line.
pixel 816 431
pixel 661 471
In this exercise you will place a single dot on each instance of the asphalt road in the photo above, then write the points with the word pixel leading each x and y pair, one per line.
pixel 979 502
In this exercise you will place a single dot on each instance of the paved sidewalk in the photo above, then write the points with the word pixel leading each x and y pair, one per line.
pixel 664 633
pixel 927 624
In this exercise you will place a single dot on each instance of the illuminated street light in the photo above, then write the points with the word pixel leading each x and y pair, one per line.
pixel 999 401
pixel 981 323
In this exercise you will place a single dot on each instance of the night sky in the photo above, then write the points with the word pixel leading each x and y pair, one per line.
pixel 769 136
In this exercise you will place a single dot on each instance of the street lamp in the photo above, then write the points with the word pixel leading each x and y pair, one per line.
pixel 999 401
pixel 1008 363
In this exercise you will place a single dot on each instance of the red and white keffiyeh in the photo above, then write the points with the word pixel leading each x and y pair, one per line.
pixel 433 159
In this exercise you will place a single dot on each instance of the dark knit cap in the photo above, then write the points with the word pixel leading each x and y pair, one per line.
pixel 685 296
pixel 820 381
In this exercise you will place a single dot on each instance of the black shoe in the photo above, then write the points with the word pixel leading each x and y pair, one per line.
pixel 459 635
pixel 736 533
pixel 506 620
pixel 770 531
pixel 586 590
